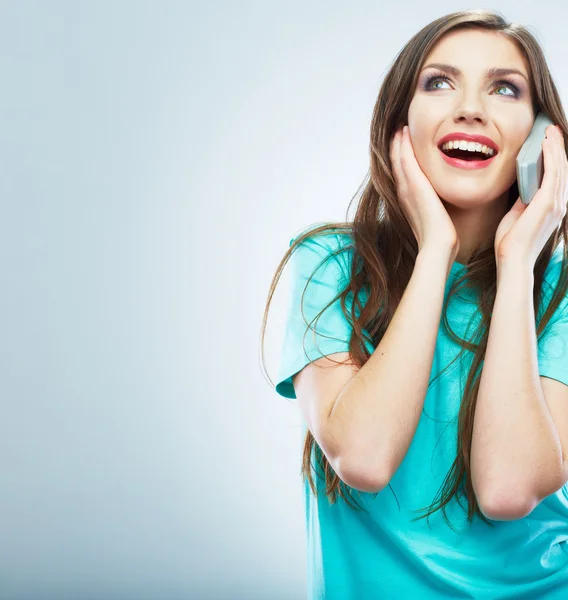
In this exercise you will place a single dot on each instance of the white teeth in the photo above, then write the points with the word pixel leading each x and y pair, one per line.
pixel 470 146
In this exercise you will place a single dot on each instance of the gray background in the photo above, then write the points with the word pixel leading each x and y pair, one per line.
pixel 157 157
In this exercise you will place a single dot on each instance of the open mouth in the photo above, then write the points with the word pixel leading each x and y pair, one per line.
pixel 467 154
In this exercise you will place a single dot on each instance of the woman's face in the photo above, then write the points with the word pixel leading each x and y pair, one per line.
pixel 471 102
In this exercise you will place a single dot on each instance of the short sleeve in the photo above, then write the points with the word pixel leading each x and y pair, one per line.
pixel 553 344
pixel 332 331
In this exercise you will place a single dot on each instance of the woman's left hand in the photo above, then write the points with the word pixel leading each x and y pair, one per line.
pixel 525 229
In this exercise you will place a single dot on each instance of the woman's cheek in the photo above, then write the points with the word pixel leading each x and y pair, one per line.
pixel 422 148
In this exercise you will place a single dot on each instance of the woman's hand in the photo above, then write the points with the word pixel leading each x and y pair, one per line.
pixel 424 210
pixel 525 229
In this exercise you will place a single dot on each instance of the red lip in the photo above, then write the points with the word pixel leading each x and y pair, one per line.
pixel 469 137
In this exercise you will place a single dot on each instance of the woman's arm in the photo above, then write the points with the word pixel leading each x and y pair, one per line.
pixel 374 418
pixel 516 452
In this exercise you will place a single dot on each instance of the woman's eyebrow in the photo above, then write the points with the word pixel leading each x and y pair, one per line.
pixel 490 73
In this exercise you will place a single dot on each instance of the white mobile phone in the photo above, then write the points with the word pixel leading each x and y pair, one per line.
pixel 530 165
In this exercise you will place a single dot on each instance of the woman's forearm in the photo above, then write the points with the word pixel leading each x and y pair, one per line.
pixel 374 418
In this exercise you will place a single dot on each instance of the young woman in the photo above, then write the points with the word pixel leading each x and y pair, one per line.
pixel 427 339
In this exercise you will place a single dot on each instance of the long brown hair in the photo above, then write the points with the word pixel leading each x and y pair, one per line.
pixel 385 249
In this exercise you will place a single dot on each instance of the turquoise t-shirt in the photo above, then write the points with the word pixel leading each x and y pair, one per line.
pixel 357 555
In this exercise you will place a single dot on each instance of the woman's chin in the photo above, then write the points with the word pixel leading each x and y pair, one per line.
pixel 466 198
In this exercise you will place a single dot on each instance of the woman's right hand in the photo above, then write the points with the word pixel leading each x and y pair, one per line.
pixel 424 210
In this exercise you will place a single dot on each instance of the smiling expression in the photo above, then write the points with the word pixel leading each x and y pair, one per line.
pixel 471 100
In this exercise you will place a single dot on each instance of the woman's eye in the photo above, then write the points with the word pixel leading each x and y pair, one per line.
pixel 436 80
pixel 506 86
pixel 430 85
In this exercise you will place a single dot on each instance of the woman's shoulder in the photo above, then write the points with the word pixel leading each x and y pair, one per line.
pixel 552 275
pixel 330 245
pixel 333 237
pixel 553 269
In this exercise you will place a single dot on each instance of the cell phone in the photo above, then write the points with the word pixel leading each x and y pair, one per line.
pixel 530 165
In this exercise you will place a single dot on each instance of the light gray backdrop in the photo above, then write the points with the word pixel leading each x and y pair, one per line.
pixel 156 159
